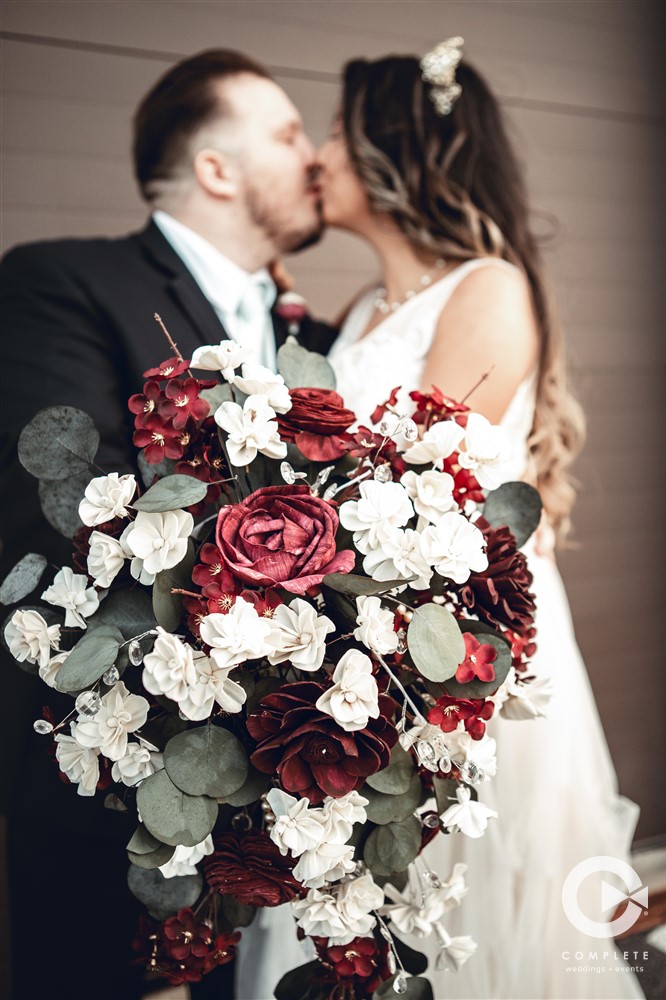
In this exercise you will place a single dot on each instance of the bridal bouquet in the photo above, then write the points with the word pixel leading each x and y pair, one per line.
pixel 282 649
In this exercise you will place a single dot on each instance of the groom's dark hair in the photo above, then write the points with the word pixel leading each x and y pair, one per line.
pixel 177 107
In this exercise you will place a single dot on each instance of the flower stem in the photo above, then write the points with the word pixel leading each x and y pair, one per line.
pixel 400 687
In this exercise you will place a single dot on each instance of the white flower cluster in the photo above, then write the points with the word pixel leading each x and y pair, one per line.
pixel 30 639
pixel 184 860
pixel 252 428
pixel 343 913
pixel 317 836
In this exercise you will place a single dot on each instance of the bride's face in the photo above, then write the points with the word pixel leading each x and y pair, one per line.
pixel 343 198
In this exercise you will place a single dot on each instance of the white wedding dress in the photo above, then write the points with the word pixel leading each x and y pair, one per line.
pixel 555 791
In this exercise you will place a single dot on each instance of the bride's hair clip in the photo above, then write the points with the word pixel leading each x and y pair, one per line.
pixel 438 68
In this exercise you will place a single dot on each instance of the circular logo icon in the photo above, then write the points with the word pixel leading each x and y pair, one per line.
pixel 636 896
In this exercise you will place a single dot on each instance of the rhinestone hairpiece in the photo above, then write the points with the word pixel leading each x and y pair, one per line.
pixel 438 68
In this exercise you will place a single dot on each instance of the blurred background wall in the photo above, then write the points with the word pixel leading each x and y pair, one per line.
pixel 578 82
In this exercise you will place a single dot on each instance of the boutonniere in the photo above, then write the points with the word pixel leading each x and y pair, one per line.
pixel 293 309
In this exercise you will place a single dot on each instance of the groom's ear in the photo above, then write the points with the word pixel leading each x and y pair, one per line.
pixel 216 173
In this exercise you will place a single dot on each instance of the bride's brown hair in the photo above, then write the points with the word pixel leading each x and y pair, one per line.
pixel 453 185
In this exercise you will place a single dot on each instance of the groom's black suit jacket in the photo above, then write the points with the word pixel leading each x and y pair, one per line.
pixel 78 329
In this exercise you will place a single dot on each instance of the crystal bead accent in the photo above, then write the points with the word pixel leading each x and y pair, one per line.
pixel 432 880
pixel 426 752
pixel 400 983
pixel 330 492
pixel 390 961
pixel 383 474
pixel 111 676
pixel 135 653
pixel 42 727
pixel 431 821
pixel 409 429
pixel 386 428
pixel 470 771
pixel 385 933
pixel 241 822
pixel 402 641
pixel 322 476
pixel 88 703
pixel 287 473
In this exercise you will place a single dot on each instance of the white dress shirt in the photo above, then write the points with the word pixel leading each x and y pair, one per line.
pixel 242 301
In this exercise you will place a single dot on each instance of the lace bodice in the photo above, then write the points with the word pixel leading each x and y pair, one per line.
pixel 394 353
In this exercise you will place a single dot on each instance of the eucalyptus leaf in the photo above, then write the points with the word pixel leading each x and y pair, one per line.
pixel 417 989
pixel 383 809
pixel 304 369
pixel 414 962
pixel 146 851
pixel 516 505
pixel 150 472
pixel 168 607
pixel 131 611
pixel 252 789
pixel 172 493
pixel 22 579
pixel 217 394
pixel 238 914
pixel 357 586
pixel 297 984
pixel 172 816
pixel 397 777
pixel 163 896
pixel 435 642
pixel 393 847
pixel 162 729
pixel 445 792
pixel 207 760
pixel 90 658
pixel 60 499
pixel 59 441
pixel 502 663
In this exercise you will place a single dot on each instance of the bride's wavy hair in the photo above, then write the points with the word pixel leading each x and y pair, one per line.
pixel 454 187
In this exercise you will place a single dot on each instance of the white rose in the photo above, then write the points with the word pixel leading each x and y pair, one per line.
pixel 299 635
pixel 399 556
pixel 339 816
pixel 260 381
pixel 106 558
pixel 297 827
pixel 120 714
pixel 106 497
pixel 431 493
pixel 437 444
pixel 140 761
pixel 250 429
pixel 30 639
pixel 169 667
pixel 353 698
pixel 159 540
pixel 488 452
pixel 80 764
pixel 355 902
pixel 382 506
pixel 70 591
pixel 375 626
pixel 454 547
pixel 184 860
pixel 318 915
pixel 239 635
pixel 224 357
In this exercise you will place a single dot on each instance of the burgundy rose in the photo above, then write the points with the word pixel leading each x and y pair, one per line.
pixel 315 423
pixel 309 751
pixel 250 867
pixel 501 594
pixel 281 536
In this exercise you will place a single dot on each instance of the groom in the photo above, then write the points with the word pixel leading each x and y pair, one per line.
pixel 222 160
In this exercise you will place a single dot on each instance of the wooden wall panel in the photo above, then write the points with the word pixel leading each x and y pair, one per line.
pixel 576 82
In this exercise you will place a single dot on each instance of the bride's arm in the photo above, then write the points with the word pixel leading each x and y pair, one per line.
pixel 488 323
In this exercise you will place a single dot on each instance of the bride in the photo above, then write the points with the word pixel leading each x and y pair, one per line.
pixel 420 167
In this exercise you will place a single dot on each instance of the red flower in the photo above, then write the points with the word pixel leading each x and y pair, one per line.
pixel 436 404
pixel 183 401
pixel 309 751
pixel 158 439
pixel 501 594
pixel 197 609
pixel 478 662
pixel 250 867
pixel 363 960
pixel 223 950
pixel 143 405
pixel 366 443
pixel 182 949
pixel 474 712
pixel 316 422
pixel 184 936
pixel 211 568
pixel 281 536
pixel 171 368
pixel 220 598
pixel 292 308
pixel 379 411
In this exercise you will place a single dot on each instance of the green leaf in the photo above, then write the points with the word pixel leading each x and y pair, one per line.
pixel 23 579
pixel 131 611
pixel 172 816
pixel 397 777
pixel 238 914
pixel 150 472
pixel 172 493
pixel 516 505
pixel 393 847
pixel 435 642
pixel 417 989
pixel 383 809
pixel 207 760
pixel 414 962
pixel 168 607
pixel 90 658
pixel 301 368
pixel 163 896
pixel 252 789
pixel 145 851
pixel 217 394
pixel 59 442
pixel 162 729
pixel 297 984
pixel 267 685
pixel 360 586
pixel 476 688
pixel 445 792
pixel 60 499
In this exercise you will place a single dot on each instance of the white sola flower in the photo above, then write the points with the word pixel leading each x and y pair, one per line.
pixel 417 909
pixel 49 672
pixel 353 698
pixel 297 828
pixel 213 684
pixel 106 558
pixel 106 497
pixel 169 667
pixel 159 540
pixel 70 591
pixel 453 952
pixel 224 357
pixel 454 547
pixel 184 860
pixel 80 764
pixel 140 761
pixel 240 635
pixel 299 635
pixel 467 815
pixel 525 699
pixel 440 441
pixel 250 429
pixel 375 626
pixel 399 556
pixel 382 506
pixel 342 916
pixel 30 639
pixel 488 452
pixel 120 714
pixel 431 493
pixel 341 814
pixel 260 381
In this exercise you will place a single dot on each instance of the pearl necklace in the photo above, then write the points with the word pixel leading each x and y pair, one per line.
pixel 426 279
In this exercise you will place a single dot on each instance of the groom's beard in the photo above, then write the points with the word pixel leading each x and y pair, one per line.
pixel 282 229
